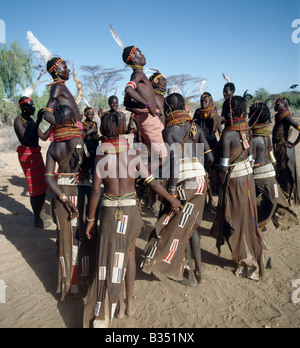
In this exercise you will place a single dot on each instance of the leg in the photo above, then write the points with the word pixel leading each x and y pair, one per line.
pixel 37 204
pixel 196 248
pixel 121 305
pixel 129 281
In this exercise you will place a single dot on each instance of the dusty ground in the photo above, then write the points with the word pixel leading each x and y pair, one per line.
pixel 28 267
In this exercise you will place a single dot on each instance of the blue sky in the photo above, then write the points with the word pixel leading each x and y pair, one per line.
pixel 248 40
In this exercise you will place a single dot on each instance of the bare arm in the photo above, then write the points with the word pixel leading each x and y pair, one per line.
pixel 156 187
pixel 45 136
pixel 52 103
pixel 208 154
pixel 294 124
pixel 94 199
pixel 131 91
pixel 52 184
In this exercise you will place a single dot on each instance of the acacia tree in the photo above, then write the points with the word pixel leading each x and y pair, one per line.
pixel 15 68
pixel 189 86
pixel 99 83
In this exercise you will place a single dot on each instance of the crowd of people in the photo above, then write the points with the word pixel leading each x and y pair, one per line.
pixel 100 180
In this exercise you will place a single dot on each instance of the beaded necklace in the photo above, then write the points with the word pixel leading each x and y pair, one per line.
pixel 178 117
pixel 23 119
pixel 55 82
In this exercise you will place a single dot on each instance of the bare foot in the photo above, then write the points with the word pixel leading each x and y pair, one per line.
pixel 120 313
pixel 101 324
pixel 131 307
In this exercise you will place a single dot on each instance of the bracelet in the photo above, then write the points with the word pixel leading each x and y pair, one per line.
pixel 90 220
pixel 173 190
pixel 224 162
pixel 131 84
pixel 148 180
pixel 175 196
pixel 49 174
pixel 207 152
pixel 50 110
pixel 63 198
pixel 148 105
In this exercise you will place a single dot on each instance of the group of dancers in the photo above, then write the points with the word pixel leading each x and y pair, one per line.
pixel 247 164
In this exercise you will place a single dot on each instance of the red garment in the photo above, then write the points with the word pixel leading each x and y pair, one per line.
pixel 32 163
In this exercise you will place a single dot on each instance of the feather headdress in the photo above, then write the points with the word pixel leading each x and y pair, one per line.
pixel 36 47
pixel 43 54
pixel 226 77
pixel 151 71
pixel 116 37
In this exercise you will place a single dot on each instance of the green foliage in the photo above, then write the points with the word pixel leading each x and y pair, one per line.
pixel 261 95
pixel 15 68
pixel 294 98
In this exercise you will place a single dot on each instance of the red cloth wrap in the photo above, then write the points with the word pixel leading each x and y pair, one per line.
pixel 33 166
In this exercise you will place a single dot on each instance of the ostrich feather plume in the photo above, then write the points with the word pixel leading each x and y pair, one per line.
pixel 202 86
pixel 116 37
pixel 36 47
pixel 226 77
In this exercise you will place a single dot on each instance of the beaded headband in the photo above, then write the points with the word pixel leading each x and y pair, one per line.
pixel 157 77
pixel 130 54
pixel 55 65
pixel 25 101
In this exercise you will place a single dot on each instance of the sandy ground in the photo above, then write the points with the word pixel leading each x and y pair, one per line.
pixel 29 269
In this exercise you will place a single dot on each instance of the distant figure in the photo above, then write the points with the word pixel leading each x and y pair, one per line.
pixel 30 156
pixel 90 126
pixel 284 150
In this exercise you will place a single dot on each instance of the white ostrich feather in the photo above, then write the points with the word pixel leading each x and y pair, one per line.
pixel 202 86
pixel 36 47
pixel 86 102
pixel 226 77
pixel 28 91
pixel 173 89
pixel 116 37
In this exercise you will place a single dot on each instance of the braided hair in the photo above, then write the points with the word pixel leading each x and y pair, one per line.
pixel 235 107
pixel 111 125
pixel 259 114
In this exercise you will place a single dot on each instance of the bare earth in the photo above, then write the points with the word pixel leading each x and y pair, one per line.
pixel 29 269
